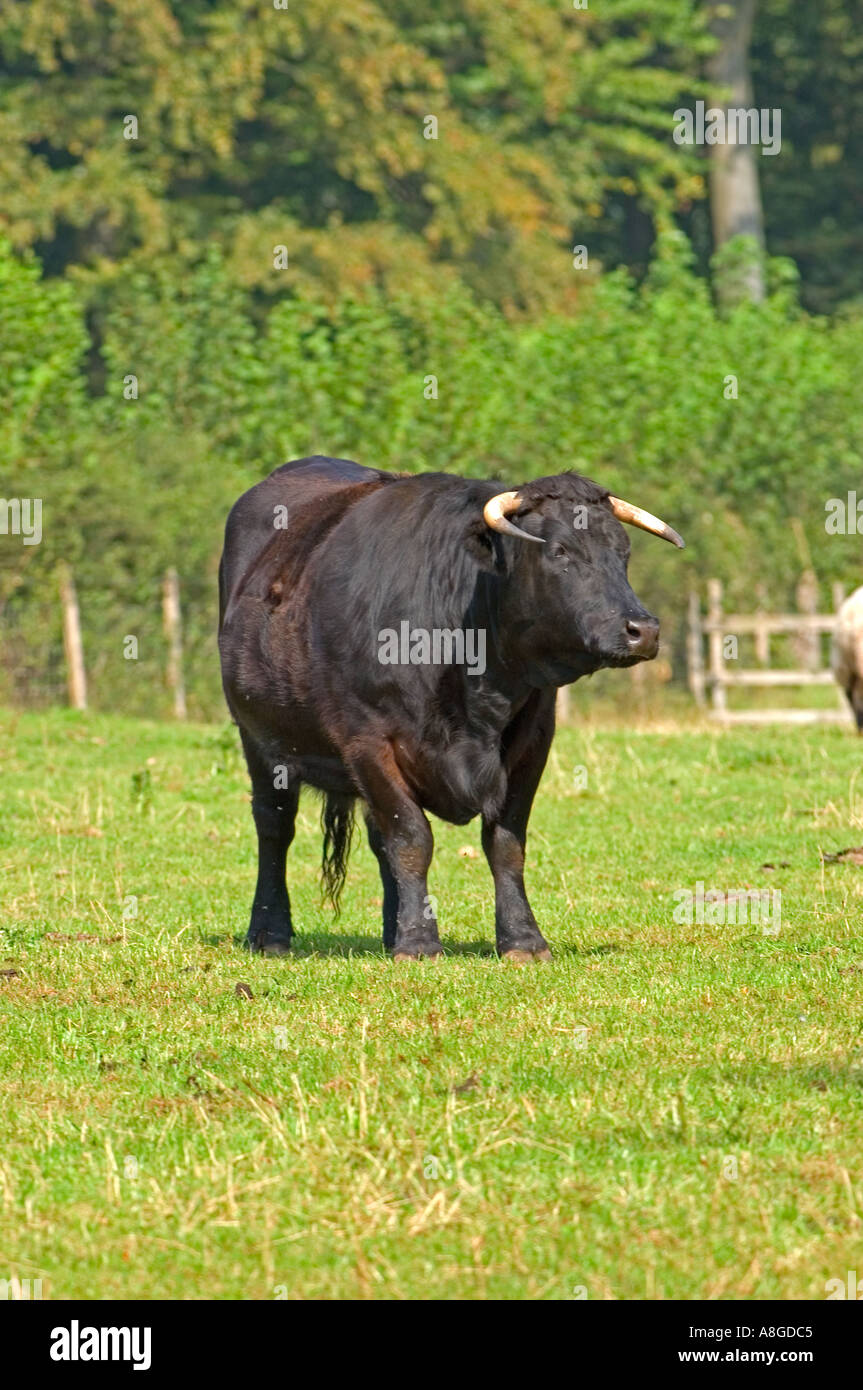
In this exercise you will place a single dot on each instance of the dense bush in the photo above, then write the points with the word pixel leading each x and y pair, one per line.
pixel 634 391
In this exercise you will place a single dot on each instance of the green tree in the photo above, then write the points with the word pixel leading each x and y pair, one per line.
pixel 806 60
pixel 135 130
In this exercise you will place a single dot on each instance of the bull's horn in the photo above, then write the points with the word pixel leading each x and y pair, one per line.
pixel 636 516
pixel 495 514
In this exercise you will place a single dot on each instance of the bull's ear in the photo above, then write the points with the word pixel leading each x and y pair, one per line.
pixel 484 547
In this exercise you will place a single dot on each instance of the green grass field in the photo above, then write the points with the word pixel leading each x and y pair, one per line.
pixel 666 1111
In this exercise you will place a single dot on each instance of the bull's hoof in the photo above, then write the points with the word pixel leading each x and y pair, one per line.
pixel 429 953
pixel 267 944
pixel 518 957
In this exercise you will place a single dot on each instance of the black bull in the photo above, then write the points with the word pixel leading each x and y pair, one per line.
pixel 399 641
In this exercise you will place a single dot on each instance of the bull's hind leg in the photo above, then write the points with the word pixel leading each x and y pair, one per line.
pixel 390 887
pixel 404 839
pixel 275 811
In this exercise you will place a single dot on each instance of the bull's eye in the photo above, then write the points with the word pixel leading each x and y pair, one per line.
pixel 558 551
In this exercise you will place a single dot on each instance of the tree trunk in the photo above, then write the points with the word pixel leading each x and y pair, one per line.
pixel 735 197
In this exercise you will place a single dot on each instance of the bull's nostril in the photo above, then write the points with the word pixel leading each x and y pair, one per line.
pixel 642 636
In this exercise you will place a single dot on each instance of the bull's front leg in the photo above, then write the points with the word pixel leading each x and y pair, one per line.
pixel 517 934
pixel 401 837
pixel 504 837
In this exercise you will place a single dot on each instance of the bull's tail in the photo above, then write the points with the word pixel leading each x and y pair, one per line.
pixel 337 823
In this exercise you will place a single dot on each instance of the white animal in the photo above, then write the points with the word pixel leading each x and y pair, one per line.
pixel 846 655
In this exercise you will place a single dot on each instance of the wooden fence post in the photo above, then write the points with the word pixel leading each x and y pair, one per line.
pixel 837 593
pixel 808 643
pixel 174 635
pixel 717 663
pixel 76 677
pixel 762 635
pixel 695 648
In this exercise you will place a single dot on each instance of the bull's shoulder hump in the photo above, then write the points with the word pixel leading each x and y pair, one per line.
pixel 345 471
pixel 303 483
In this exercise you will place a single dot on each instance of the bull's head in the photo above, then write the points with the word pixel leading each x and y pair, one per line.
pixel 570 600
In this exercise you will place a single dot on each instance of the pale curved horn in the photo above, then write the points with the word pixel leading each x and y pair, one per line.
pixel 636 516
pixel 495 513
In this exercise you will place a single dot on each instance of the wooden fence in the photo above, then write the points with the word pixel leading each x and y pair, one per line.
pixel 807 628
pixel 73 646
pixel 709 680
